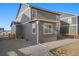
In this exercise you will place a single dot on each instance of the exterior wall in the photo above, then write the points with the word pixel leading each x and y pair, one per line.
pixel 13 29
pixel 19 33
pixel 23 13
pixel 22 8
pixel 64 15
pixel 69 28
pixel 27 30
pixel 46 15
pixel 46 37
pixel 1 30
pixel 78 24
pixel 24 17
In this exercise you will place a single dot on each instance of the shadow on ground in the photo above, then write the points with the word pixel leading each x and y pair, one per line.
pixel 13 45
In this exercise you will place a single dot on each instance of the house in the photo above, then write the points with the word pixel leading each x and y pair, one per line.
pixel 5 32
pixel 35 24
pixel 69 24
pixel 1 30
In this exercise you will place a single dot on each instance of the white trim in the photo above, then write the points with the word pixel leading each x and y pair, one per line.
pixel 76 25
pixel 40 19
pixel 67 17
pixel 21 13
pixel 37 32
pixel 25 23
pixel 69 20
pixel 51 28
pixel 57 17
pixel 70 25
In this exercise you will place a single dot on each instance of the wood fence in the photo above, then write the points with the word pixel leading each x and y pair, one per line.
pixel 8 36
pixel 75 36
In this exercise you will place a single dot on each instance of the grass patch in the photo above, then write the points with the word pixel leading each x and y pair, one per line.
pixel 58 51
pixel 54 51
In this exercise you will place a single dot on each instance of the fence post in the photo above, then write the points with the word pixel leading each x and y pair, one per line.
pixel 9 35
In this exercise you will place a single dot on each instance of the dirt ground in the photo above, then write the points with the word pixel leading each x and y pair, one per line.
pixel 70 50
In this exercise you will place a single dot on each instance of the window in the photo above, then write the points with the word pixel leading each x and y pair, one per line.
pixel 34 13
pixel 69 20
pixel 33 28
pixel 57 17
pixel 47 28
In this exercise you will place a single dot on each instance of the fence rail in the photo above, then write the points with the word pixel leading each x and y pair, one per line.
pixel 8 36
pixel 75 36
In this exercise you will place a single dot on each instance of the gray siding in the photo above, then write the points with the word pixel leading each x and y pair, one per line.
pixel 68 28
pixel 63 15
pixel 72 29
pixel 78 23
pixel 27 30
pixel 24 14
pixel 46 15
pixel 13 29
pixel 22 8
pixel 46 37
pixel 19 33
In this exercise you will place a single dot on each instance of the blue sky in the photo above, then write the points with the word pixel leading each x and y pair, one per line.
pixel 8 11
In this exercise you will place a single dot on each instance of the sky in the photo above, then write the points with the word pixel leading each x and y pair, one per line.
pixel 8 11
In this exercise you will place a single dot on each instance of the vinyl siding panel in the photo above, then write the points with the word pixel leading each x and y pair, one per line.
pixel 46 15
pixel 68 27
pixel 78 23
pixel 19 33
pixel 46 37
pixel 13 29
pixel 24 13
pixel 27 30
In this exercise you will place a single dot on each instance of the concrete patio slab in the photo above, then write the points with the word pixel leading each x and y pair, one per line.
pixel 43 49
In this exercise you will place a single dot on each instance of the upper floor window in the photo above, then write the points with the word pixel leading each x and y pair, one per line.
pixel 57 17
pixel 34 13
pixel 47 28
pixel 69 20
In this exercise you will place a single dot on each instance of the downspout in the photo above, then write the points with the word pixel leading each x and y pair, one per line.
pixel 37 22
pixel 37 32
pixel 76 25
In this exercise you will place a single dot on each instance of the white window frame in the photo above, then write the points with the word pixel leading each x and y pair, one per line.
pixel 32 11
pixel 69 20
pixel 33 26
pixel 47 28
pixel 57 17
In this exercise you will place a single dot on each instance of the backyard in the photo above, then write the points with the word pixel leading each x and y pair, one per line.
pixel 12 46
pixel 67 50
pixel 26 48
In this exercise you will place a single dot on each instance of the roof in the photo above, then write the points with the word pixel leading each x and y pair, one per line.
pixel 44 20
pixel 14 22
pixel 36 7
pixel 65 13
pixel 40 8
pixel 1 28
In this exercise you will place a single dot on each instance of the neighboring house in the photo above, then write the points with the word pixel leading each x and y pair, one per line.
pixel 69 24
pixel 36 24
pixel 16 29
pixel 6 32
pixel 1 30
